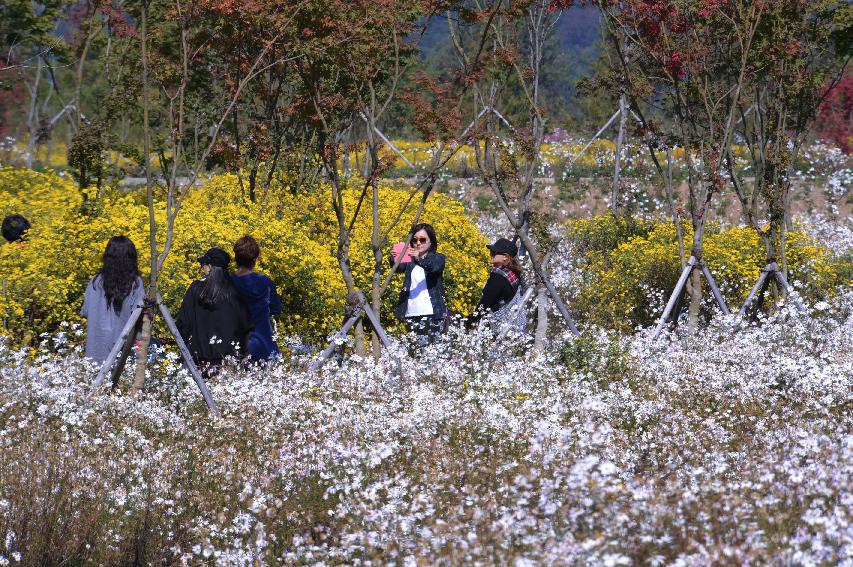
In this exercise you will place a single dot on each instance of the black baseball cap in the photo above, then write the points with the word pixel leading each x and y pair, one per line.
pixel 14 227
pixel 503 246
pixel 216 257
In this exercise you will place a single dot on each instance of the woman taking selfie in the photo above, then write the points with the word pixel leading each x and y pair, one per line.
pixel 111 297
pixel 421 305
pixel 213 321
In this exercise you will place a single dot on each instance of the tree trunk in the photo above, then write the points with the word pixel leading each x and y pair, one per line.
pixel 32 115
pixel 541 317
pixel 694 283
pixel 151 296
pixel 617 168
pixel 670 195
pixel 376 301
pixel 694 288
pixel 142 351
pixel 343 261
pixel 371 165
pixel 360 347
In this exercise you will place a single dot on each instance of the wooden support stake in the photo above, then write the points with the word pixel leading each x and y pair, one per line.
pixel 188 359
pixel 552 291
pixel 594 138
pixel 127 331
pixel 327 352
pixel 759 285
pixel 469 126
pixel 780 277
pixel 125 352
pixel 374 320
pixel 525 298
pixel 382 137
pixel 504 120
pixel 362 309
pixel 709 277
pixel 561 307
pixel 676 292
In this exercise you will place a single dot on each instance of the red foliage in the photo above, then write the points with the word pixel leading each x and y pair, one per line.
pixel 661 25
pixel 835 117
pixel 435 111
pixel 675 64
pixel 557 5
pixel 121 23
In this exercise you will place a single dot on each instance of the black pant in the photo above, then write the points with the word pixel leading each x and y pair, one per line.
pixel 427 329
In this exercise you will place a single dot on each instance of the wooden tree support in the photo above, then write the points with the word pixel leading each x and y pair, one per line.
pixel 188 359
pixel 771 270
pixel 121 350
pixel 121 347
pixel 692 264
pixel 359 309
pixel 523 304
pixel 388 142
pixel 552 291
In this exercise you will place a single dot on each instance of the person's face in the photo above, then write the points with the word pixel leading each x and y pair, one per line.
pixel 498 260
pixel 206 269
pixel 420 242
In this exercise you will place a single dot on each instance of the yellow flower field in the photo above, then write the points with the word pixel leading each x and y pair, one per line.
pixel 44 277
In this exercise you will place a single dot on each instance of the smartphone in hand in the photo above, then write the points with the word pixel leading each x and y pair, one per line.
pixel 401 248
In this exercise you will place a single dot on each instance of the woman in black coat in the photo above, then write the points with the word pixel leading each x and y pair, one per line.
pixel 421 305
pixel 213 321
pixel 505 278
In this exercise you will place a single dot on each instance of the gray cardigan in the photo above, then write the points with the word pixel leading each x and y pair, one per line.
pixel 103 325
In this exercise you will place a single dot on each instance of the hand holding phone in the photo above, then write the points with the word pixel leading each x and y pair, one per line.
pixel 401 248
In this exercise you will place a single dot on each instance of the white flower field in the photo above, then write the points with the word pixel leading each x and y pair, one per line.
pixel 734 447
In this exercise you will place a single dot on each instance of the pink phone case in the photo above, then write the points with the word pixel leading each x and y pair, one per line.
pixel 401 247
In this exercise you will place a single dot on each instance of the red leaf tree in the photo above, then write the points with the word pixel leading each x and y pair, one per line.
pixel 835 117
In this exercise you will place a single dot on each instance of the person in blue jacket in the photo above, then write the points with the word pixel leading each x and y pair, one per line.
pixel 258 294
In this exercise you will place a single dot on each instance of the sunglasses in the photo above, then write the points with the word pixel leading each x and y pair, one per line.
pixel 420 240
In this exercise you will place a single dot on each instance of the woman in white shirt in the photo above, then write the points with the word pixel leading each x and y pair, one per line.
pixel 421 305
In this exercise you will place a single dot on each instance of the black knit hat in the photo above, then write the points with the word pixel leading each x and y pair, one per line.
pixel 216 257
pixel 503 246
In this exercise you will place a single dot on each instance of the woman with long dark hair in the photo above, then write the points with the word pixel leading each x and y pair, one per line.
pixel 212 320
pixel 421 305
pixel 111 296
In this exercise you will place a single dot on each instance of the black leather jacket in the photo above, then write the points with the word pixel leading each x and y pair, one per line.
pixel 433 265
